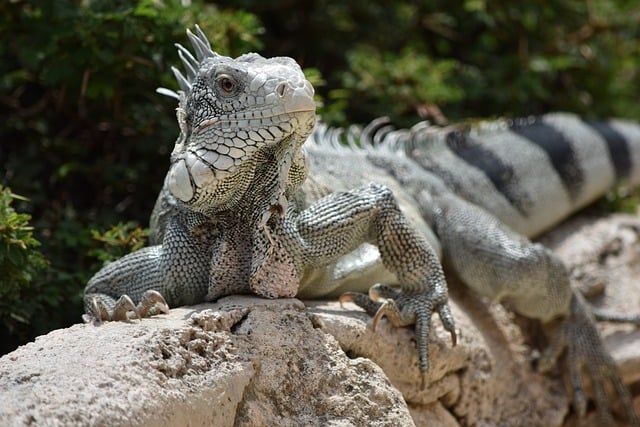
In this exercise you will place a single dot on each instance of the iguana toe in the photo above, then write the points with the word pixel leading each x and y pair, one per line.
pixel 151 303
pixel 381 291
pixel 123 307
pixel 390 310
pixel 361 300
pixel 96 310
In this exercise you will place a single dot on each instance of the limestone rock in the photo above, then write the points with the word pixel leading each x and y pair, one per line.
pixel 242 361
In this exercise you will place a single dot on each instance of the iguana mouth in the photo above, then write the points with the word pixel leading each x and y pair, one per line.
pixel 236 120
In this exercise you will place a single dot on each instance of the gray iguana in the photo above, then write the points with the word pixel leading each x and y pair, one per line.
pixel 257 201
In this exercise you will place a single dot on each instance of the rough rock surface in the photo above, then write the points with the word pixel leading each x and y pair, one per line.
pixel 242 361
pixel 249 361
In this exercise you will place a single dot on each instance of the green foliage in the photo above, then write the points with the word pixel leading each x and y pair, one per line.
pixel 87 139
pixel 20 262
pixel 415 83
pixel 620 199
pixel 118 241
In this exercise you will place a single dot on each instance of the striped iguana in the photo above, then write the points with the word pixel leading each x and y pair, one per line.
pixel 257 201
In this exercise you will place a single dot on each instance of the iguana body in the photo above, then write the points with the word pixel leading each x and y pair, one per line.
pixel 238 214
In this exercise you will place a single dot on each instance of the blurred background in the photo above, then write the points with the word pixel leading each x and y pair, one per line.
pixel 85 139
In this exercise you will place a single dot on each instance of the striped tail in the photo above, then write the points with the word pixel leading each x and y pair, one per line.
pixel 531 173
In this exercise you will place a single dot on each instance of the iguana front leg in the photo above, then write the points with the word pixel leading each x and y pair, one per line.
pixel 503 265
pixel 337 224
pixel 110 294
pixel 152 279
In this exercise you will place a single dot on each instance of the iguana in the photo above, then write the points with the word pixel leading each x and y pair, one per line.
pixel 257 201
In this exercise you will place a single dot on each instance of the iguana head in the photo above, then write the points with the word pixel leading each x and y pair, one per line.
pixel 242 125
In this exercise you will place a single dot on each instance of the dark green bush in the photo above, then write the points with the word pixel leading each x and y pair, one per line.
pixel 20 263
pixel 118 241
pixel 87 139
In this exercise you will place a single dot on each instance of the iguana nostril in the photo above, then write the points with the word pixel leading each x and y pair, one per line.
pixel 281 89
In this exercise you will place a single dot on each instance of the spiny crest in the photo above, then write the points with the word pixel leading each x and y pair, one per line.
pixel 202 48
pixel 380 135
pixel 324 136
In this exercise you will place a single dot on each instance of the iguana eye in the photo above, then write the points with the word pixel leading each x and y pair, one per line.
pixel 226 83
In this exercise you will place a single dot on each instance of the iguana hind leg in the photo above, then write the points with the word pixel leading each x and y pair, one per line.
pixel 503 265
pixel 576 337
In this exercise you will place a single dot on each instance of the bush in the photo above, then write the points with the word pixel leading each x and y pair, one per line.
pixel 20 263
pixel 118 241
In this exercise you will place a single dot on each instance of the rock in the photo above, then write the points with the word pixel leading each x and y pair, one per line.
pixel 249 361
pixel 241 361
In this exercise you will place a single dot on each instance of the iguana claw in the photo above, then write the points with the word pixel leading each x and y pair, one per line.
pixel 97 307
pixel 123 307
pixel 152 303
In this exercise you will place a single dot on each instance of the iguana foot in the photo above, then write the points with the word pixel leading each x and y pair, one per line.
pixel 577 334
pixel 403 309
pixel 102 308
